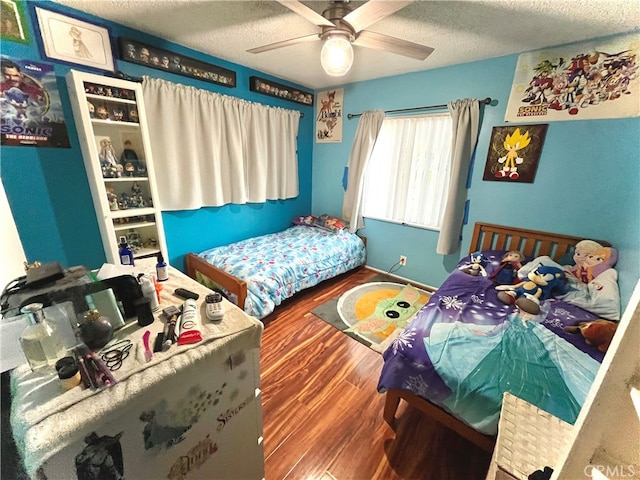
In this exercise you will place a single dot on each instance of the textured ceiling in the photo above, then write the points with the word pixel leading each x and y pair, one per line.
pixel 459 31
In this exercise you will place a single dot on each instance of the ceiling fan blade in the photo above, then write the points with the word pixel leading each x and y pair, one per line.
pixel 285 43
pixel 307 13
pixel 391 44
pixel 372 11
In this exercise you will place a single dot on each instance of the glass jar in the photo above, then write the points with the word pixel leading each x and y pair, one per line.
pixel 40 342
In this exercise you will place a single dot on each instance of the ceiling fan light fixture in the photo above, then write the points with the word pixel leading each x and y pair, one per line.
pixel 336 56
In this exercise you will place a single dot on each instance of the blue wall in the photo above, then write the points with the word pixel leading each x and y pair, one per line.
pixel 48 190
pixel 587 182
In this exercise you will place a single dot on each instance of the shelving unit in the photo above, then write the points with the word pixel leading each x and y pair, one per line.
pixel 111 122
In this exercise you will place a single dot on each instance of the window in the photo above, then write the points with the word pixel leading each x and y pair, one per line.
pixel 408 173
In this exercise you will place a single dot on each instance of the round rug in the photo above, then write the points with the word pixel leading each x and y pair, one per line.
pixel 380 310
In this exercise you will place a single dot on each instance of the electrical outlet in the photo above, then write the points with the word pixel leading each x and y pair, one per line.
pixel 403 260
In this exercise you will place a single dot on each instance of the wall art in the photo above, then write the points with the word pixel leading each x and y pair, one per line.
pixel 274 89
pixel 329 116
pixel 73 41
pixel 153 57
pixel 12 23
pixel 32 113
pixel 514 152
pixel 591 80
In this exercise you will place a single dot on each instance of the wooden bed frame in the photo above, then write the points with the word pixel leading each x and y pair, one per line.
pixel 228 282
pixel 486 236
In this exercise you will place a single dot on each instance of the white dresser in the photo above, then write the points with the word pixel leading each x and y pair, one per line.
pixel 192 412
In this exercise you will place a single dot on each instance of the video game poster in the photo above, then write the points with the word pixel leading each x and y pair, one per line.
pixel 30 106
pixel 598 79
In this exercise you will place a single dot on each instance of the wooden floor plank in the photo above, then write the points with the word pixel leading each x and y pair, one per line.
pixel 322 412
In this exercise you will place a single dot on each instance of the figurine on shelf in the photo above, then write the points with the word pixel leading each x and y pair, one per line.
pixel 129 159
pixel 112 198
pixel 124 201
pixel 136 189
pixel 133 116
pixel 102 113
pixel 107 153
pixel 134 240
pixel 118 114
pixel 92 110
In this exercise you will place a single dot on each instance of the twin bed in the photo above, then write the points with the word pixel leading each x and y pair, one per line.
pixel 259 273
pixel 463 350
pixel 466 348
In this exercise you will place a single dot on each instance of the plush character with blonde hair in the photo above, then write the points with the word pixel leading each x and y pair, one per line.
pixel 592 259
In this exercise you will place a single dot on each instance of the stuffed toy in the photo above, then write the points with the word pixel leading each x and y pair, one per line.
pixel 507 271
pixel 598 333
pixel 528 294
pixel 591 260
pixel 476 267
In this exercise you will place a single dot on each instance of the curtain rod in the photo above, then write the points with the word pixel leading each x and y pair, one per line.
pixel 486 101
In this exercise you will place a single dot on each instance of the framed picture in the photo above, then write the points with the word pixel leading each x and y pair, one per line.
pixel 12 25
pixel 273 89
pixel 514 152
pixel 329 116
pixel 153 57
pixel 73 41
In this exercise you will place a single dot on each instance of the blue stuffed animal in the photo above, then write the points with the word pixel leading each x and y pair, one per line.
pixel 476 267
pixel 528 294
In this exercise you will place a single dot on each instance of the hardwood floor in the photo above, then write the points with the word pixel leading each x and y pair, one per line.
pixel 323 416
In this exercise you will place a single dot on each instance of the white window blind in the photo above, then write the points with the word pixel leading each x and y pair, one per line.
pixel 407 178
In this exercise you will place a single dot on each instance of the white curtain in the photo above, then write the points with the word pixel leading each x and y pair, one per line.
pixel 408 173
pixel 211 149
pixel 466 118
pixel 363 143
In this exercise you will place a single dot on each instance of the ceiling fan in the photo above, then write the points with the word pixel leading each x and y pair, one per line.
pixel 342 26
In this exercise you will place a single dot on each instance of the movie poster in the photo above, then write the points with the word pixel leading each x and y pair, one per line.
pixel 30 104
pixel 329 116
pixel 591 80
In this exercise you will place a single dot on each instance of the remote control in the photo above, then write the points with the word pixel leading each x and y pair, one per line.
pixel 184 293
pixel 214 309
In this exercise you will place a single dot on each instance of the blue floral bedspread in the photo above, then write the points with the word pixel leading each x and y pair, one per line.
pixel 278 265
pixel 465 348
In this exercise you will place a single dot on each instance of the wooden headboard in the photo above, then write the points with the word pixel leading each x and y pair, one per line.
pixel 531 243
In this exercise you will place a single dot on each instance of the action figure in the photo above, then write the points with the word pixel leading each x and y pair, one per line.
pixel 129 159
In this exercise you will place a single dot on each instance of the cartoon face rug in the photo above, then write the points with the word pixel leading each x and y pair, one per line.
pixel 381 311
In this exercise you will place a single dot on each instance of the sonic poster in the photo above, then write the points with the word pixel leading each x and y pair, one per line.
pixel 592 80
pixel 514 153
pixel 30 105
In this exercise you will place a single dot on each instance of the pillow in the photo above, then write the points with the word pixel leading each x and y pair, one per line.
pixel 329 223
pixel 305 220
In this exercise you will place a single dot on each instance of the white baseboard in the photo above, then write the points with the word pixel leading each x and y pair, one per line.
pixel 428 288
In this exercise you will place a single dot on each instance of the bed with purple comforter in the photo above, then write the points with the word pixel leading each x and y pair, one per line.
pixel 465 348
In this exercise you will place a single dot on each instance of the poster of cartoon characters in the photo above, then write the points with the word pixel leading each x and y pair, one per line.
pixel 592 80
pixel 30 104
pixel 329 116
pixel 514 152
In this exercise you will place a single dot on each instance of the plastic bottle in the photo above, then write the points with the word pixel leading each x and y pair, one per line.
pixel 162 271
pixel 39 341
pixel 126 255
pixel 149 291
